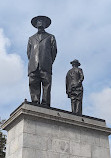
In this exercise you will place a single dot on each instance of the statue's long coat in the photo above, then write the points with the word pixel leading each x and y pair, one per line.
pixel 41 50
pixel 74 80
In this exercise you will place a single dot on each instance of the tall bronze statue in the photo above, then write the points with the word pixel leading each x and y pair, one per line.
pixel 74 88
pixel 41 51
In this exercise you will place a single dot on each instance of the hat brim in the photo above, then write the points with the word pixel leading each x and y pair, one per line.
pixel 46 20
pixel 75 63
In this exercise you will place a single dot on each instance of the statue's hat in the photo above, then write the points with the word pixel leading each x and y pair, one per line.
pixel 75 62
pixel 46 20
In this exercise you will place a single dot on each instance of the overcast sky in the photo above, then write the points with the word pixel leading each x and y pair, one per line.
pixel 83 31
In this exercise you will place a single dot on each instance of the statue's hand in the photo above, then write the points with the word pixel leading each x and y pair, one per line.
pixel 75 85
pixel 79 84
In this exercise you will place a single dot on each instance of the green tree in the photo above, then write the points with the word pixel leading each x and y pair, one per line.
pixel 2 141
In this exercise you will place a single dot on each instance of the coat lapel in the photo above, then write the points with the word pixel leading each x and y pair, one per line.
pixel 41 37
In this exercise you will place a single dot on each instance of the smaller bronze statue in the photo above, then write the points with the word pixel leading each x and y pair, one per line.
pixel 74 88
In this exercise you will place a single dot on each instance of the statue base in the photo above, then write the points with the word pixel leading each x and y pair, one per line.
pixel 39 132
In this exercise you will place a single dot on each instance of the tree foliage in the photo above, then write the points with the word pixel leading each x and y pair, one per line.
pixel 2 141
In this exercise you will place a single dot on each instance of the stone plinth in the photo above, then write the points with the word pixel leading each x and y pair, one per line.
pixel 38 132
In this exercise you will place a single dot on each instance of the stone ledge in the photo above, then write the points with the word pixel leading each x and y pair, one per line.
pixel 59 110
pixel 29 110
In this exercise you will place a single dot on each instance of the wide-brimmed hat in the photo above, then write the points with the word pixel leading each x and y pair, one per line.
pixel 46 20
pixel 75 62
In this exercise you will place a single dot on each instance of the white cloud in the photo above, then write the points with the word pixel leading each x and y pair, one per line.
pixel 4 41
pixel 100 105
pixel 13 81
pixel 11 65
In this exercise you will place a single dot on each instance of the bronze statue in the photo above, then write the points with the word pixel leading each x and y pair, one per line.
pixel 74 88
pixel 41 51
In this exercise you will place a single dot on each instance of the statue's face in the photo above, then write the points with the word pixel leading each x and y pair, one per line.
pixel 75 65
pixel 40 24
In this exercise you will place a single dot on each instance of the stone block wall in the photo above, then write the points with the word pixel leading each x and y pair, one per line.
pixel 15 141
pixel 53 139
pixel 35 136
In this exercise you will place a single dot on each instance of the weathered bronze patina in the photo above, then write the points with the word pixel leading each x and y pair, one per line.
pixel 74 88
pixel 41 51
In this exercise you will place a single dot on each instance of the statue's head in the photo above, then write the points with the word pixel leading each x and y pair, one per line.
pixel 41 21
pixel 75 63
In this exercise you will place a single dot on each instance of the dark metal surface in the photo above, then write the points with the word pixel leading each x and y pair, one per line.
pixel 74 88
pixel 41 52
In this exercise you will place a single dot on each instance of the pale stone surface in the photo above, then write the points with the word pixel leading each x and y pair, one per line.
pixel 35 141
pixel 45 154
pixel 43 128
pixel 69 132
pixel 29 153
pixel 46 133
pixel 89 137
pixel 104 141
pixel 15 145
pixel 11 135
pixel 100 152
pixel 29 126
pixel 80 149
pixel 77 157
pixel 18 154
pixel 15 141
pixel 61 146
pixel 64 156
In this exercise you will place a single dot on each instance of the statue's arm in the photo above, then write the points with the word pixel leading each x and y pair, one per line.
pixel 67 83
pixel 81 76
pixel 54 48
pixel 29 48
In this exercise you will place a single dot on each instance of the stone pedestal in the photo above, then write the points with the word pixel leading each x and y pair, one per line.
pixel 38 132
